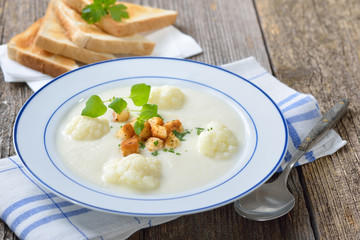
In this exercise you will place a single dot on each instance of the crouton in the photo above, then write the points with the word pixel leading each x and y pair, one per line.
pixel 154 143
pixel 174 125
pixel 146 132
pixel 122 117
pixel 156 121
pixel 172 141
pixel 130 146
pixel 126 132
pixel 159 131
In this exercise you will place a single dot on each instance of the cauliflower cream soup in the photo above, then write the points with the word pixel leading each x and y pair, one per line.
pixel 194 163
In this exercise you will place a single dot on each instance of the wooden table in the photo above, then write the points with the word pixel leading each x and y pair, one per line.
pixel 313 46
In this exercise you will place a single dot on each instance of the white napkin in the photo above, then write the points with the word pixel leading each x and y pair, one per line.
pixel 32 212
pixel 169 42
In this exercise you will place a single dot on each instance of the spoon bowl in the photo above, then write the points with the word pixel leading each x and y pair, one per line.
pixel 266 203
pixel 273 200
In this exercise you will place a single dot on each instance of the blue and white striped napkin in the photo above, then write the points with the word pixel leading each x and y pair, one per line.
pixel 33 212
pixel 301 111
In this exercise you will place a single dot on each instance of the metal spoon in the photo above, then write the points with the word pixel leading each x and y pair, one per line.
pixel 273 200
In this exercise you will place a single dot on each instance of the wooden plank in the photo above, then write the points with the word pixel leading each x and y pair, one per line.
pixel 227 31
pixel 315 48
pixel 15 17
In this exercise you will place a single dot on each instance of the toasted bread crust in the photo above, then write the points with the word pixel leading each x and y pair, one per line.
pixel 91 37
pixel 141 18
pixel 21 48
pixel 77 5
pixel 147 19
pixel 53 38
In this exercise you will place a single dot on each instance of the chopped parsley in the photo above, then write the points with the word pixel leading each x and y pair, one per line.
pixel 199 130
pixel 171 150
pixel 181 136
pixel 156 142
pixel 155 153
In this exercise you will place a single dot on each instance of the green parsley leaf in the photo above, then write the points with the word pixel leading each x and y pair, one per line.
pixel 148 111
pixel 118 12
pixel 142 145
pixel 106 2
pixel 140 94
pixel 118 105
pixel 94 107
pixel 156 142
pixel 138 126
pixel 181 136
pixel 93 13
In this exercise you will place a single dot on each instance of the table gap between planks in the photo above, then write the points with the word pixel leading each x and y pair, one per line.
pixel 313 46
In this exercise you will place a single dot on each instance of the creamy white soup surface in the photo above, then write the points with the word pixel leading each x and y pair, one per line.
pixel 187 170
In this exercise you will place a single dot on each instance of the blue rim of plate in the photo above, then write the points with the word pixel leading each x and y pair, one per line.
pixel 152 214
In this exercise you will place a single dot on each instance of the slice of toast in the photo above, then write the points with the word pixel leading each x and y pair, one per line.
pixel 22 49
pixel 141 18
pixel 91 37
pixel 52 37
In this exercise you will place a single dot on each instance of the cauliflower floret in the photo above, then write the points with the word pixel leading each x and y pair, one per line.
pixel 217 141
pixel 167 97
pixel 134 170
pixel 87 128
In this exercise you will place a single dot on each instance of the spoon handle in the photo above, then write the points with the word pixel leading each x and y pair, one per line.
pixel 328 121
